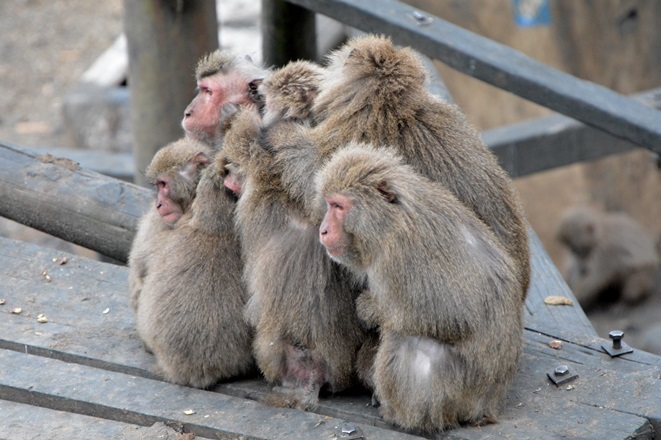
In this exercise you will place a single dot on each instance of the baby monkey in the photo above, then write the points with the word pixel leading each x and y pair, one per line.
pixel 442 289
pixel 189 310
pixel 175 172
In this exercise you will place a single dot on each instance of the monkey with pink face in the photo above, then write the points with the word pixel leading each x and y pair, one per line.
pixel 443 290
pixel 222 78
pixel 226 82
pixel 184 265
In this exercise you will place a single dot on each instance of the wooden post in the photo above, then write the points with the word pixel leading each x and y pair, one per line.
pixel 288 33
pixel 165 38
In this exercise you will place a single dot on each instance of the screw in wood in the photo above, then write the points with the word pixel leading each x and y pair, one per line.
pixel 561 370
pixel 616 336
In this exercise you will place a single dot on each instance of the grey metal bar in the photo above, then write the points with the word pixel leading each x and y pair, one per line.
pixel 541 144
pixel 500 66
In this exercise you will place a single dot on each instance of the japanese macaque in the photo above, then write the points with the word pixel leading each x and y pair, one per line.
pixel 175 172
pixel 289 93
pixel 301 303
pixel 607 251
pixel 190 310
pixel 222 78
pixel 374 93
pixel 442 289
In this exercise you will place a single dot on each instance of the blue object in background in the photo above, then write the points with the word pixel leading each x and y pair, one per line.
pixel 528 13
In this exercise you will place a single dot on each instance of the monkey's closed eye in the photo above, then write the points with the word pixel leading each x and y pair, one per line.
pixel 387 192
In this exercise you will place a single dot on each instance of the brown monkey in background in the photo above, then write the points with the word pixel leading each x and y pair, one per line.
pixel 222 78
pixel 608 250
pixel 374 93
pixel 443 290
pixel 301 303
pixel 190 311
pixel 175 171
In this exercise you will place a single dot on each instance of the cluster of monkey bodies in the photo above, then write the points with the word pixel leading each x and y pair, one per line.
pixel 379 238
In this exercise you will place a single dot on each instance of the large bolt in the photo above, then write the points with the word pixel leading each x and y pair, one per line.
pixel 561 370
pixel 616 336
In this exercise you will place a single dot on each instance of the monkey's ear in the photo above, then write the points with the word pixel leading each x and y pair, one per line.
pixel 387 192
pixel 200 159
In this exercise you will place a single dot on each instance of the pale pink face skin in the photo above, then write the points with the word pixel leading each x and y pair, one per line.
pixel 234 183
pixel 169 211
pixel 331 231
pixel 202 114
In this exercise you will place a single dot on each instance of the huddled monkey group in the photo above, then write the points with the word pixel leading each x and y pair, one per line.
pixel 334 226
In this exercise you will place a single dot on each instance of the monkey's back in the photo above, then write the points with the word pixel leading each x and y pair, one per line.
pixel 461 343
pixel 376 95
pixel 298 296
pixel 191 310
pixel 149 233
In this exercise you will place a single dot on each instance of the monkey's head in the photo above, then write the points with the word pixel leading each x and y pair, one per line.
pixel 364 189
pixel 175 171
pixel 369 69
pixel 578 230
pixel 289 92
pixel 222 78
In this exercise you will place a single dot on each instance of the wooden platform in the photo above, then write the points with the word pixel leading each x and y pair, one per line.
pixel 87 360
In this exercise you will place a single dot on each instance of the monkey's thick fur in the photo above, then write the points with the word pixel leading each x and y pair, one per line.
pixel 443 291
pixel 224 62
pixel 190 311
pixel 375 93
pixel 175 160
pixel 301 303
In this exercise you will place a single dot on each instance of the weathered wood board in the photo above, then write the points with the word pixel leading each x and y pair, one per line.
pixel 88 360
pixel 60 198
pixel 23 421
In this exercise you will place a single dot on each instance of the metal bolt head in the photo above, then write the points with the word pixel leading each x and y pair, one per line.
pixel 348 428
pixel 561 370
pixel 616 336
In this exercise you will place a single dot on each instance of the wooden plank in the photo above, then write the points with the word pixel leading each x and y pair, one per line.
pixel 23 421
pixel 500 66
pixel 64 200
pixel 115 396
pixel 562 322
pixel 79 332
pixel 112 164
pixel 553 141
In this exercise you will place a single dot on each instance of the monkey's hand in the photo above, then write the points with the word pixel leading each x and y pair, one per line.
pixel 368 311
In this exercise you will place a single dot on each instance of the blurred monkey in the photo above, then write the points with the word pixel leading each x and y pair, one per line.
pixel 607 250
